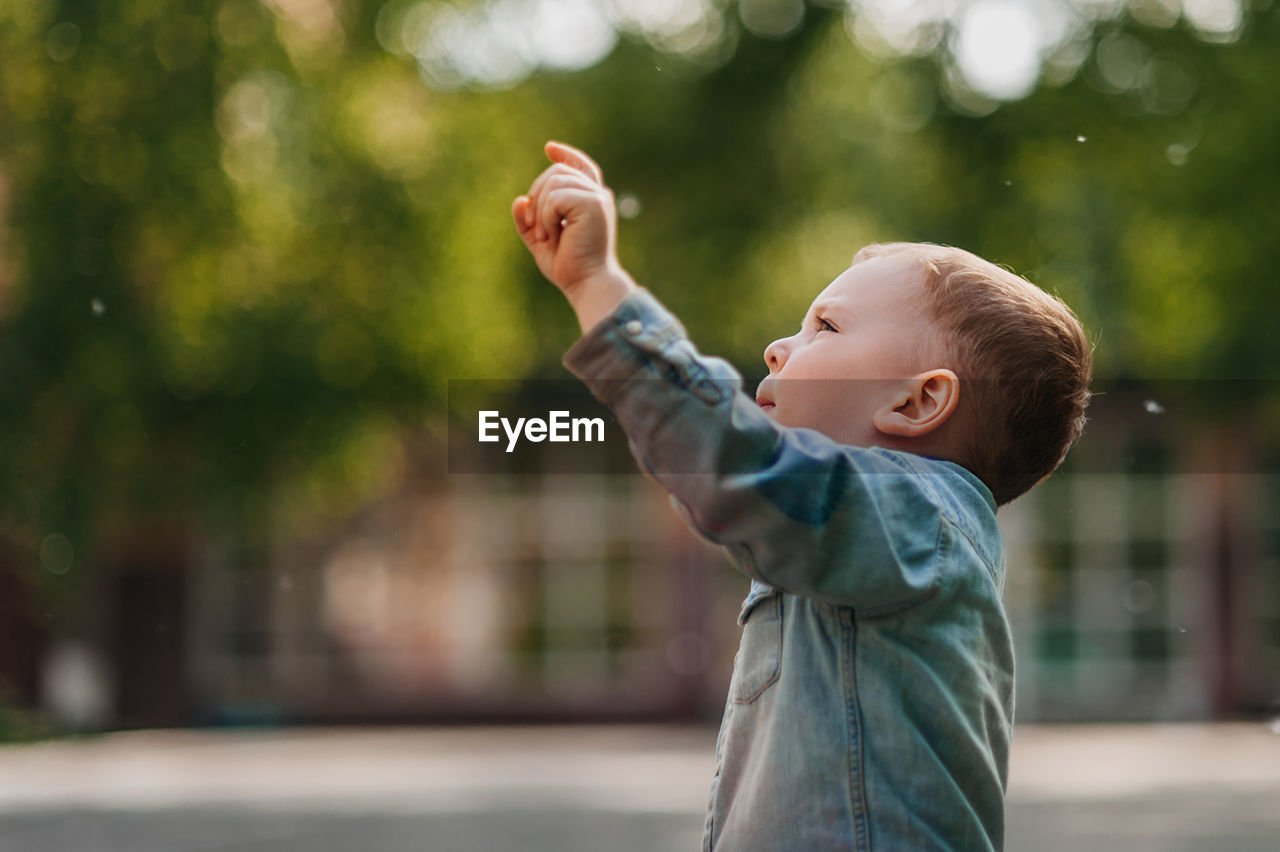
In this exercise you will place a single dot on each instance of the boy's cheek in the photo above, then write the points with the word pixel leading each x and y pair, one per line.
pixel 790 413
pixel 837 419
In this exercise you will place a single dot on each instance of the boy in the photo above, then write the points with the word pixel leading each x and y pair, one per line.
pixel 872 695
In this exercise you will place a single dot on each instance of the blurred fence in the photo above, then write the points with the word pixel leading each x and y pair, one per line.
pixel 1128 603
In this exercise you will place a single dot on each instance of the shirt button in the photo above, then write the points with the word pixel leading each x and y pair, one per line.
pixel 633 327
pixel 706 390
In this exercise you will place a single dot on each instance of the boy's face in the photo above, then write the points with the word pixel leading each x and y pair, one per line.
pixel 864 334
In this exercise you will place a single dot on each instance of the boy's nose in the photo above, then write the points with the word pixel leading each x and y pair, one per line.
pixel 775 354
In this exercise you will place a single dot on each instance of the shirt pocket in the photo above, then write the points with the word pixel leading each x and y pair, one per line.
pixel 759 659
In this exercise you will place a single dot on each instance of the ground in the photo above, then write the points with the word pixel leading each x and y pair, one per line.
pixel 573 789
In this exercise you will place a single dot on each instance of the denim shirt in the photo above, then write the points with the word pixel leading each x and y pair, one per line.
pixel 871 702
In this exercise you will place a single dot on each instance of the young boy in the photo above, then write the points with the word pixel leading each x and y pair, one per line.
pixel 872 696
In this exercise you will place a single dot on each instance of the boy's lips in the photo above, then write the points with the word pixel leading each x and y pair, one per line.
pixel 763 399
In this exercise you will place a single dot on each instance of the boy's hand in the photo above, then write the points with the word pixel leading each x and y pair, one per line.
pixel 569 224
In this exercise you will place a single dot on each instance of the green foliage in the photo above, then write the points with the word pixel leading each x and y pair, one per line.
pixel 246 245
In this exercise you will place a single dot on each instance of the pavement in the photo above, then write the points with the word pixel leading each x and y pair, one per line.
pixel 1127 788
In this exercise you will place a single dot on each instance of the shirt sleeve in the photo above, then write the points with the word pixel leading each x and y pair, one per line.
pixel 844 525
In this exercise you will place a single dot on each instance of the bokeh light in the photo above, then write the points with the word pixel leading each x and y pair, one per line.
pixel 998 50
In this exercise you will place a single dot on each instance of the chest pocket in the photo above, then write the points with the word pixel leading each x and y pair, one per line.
pixel 759 659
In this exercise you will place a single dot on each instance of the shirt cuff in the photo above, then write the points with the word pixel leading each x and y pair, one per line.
pixel 622 344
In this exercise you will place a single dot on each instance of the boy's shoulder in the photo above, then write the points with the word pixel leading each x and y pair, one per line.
pixel 954 488
pixel 950 481
pixel 910 487
pixel 962 500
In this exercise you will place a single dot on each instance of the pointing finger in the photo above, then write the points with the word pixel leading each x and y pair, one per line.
pixel 559 152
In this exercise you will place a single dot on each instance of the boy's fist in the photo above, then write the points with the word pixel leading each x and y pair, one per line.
pixel 568 222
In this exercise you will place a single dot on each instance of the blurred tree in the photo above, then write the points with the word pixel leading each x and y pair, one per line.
pixel 248 242
pixel 244 253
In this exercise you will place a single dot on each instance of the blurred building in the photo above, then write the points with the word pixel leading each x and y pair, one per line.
pixel 1138 589
pixel 519 597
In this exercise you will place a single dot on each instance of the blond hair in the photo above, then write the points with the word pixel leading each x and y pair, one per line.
pixel 1023 360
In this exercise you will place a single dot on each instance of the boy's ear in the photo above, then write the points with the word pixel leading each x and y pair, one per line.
pixel 922 405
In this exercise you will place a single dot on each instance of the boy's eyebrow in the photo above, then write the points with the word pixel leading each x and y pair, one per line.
pixel 826 306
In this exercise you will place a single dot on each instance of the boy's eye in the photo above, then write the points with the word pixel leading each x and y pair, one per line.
pixel 823 325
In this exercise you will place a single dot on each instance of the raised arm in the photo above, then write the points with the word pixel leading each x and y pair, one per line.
pixel 795 509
